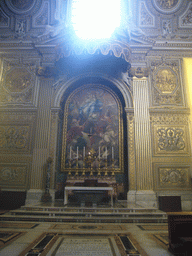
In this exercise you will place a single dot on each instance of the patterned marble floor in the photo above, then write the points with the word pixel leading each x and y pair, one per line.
pixel 83 239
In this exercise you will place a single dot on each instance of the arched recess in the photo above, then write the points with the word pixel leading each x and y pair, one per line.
pixel 121 94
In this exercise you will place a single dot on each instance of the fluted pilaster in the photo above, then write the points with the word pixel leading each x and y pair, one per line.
pixel 142 134
pixel 41 143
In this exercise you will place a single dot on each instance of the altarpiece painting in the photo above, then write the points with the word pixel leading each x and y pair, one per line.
pixel 92 127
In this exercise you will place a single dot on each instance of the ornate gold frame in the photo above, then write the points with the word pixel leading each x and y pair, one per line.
pixel 106 170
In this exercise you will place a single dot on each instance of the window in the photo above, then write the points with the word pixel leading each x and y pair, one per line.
pixel 95 19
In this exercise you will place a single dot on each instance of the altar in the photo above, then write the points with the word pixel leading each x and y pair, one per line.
pixel 88 193
pixel 90 189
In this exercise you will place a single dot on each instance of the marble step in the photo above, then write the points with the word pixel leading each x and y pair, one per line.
pixel 90 219
pixel 85 215
pixel 90 209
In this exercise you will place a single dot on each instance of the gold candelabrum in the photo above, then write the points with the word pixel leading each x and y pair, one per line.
pixel 88 160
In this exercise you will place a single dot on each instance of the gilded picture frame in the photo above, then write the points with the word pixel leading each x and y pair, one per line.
pixel 92 130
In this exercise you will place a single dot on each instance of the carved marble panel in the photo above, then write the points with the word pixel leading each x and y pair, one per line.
pixel 172 177
pixel 170 140
pixel 14 175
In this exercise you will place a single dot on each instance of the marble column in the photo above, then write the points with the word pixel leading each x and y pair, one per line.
pixel 41 143
pixel 144 196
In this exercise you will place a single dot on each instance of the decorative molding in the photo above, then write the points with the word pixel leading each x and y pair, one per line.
pixel 20 116
pixel 173 159
pixel 169 118
pixel 15 158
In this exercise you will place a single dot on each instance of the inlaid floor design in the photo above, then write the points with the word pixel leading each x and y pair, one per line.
pixel 7 237
pixel 89 227
pixel 17 225
pixel 162 227
pixel 87 244
pixel 84 239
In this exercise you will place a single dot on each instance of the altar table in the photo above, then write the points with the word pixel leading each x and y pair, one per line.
pixel 71 188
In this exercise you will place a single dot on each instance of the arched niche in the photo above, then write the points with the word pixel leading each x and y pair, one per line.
pixel 78 133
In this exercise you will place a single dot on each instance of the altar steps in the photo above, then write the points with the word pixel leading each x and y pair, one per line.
pixel 85 215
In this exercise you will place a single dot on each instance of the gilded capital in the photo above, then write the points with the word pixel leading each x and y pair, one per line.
pixel 45 72
pixel 138 72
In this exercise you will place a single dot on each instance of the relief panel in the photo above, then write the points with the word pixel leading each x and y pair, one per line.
pixel 166 83
pixel 170 140
pixel 18 82
pixel 14 176
pixel 172 177
pixel 15 139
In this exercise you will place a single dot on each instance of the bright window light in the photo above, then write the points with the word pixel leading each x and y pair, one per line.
pixel 95 19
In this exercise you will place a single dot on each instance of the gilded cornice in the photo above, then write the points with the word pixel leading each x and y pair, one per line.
pixel 169 110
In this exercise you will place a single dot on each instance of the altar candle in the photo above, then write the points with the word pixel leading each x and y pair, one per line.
pixel 77 153
pixel 70 153
pixel 83 152
pixel 112 153
pixel 99 152
pixel 106 152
